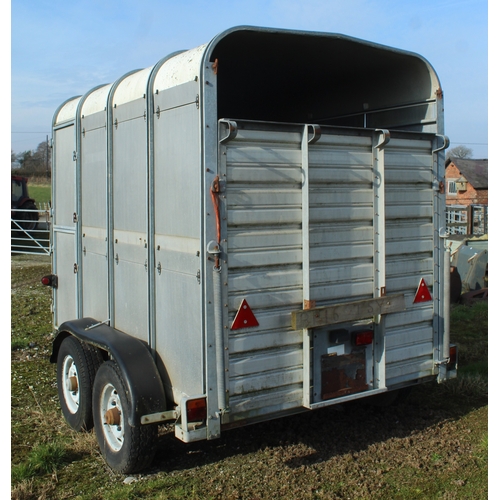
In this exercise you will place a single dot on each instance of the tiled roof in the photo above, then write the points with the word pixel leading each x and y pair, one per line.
pixel 475 171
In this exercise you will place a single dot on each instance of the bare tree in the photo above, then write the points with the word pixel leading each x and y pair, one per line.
pixel 34 163
pixel 460 151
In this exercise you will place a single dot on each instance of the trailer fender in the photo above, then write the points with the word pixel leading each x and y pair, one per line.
pixel 132 355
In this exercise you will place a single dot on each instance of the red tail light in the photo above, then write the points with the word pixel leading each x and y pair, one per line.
pixel 196 409
pixel 363 338
pixel 452 363
pixel 50 280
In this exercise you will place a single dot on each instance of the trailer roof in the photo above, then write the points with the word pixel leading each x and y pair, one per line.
pixel 289 76
pixel 303 76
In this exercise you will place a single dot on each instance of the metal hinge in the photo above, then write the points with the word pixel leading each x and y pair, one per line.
pixel 75 267
pixel 75 217
pixel 197 101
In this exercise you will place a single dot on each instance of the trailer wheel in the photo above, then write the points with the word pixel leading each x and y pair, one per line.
pixel 126 449
pixel 77 364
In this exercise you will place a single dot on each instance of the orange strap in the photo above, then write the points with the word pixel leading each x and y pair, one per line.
pixel 214 193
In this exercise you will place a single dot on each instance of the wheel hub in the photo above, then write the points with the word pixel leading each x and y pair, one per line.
pixel 112 416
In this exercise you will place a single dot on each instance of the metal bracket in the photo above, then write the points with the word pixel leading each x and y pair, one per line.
pixel 95 325
pixel 316 129
pixel 213 248
pixel 384 139
pixel 443 233
pixel 232 130
pixel 162 416
pixel 446 143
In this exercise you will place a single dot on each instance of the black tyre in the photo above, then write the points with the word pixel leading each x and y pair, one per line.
pixel 126 449
pixel 28 220
pixel 77 364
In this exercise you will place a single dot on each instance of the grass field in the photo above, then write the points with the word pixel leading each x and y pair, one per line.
pixel 432 446
pixel 40 192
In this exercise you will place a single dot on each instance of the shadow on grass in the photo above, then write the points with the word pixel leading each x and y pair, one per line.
pixel 328 432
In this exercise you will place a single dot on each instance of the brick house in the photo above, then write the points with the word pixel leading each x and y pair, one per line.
pixel 466 196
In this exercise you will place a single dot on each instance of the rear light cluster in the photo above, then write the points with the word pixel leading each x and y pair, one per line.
pixel 50 280
pixel 452 363
pixel 363 338
pixel 196 409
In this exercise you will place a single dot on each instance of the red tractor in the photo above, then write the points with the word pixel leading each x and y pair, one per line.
pixel 23 209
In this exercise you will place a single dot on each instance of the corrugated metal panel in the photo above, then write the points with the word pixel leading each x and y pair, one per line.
pixel 177 247
pixel 263 204
pixel 64 197
pixel 65 293
pixel 67 111
pixel 263 209
pixel 410 250
pixel 340 218
pixel 130 217
pixel 96 101
pixel 94 209
pixel 180 69
pixel 132 87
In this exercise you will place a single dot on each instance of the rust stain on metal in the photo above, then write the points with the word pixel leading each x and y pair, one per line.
pixel 309 304
pixel 343 375
pixel 215 66
pixel 439 93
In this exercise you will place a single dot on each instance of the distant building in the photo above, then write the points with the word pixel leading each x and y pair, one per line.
pixel 466 196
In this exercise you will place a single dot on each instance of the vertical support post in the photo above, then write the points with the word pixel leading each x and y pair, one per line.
pixel 306 285
pixel 77 218
pixel 305 216
pixel 444 350
pixel 441 262
pixel 380 139
pixel 306 333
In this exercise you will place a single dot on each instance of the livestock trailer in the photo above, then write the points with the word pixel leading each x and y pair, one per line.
pixel 246 230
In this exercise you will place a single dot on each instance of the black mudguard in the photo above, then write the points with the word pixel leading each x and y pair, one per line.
pixel 132 355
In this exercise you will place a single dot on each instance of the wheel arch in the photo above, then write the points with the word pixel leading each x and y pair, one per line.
pixel 138 367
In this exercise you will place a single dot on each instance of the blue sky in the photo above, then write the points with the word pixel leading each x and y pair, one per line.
pixel 60 49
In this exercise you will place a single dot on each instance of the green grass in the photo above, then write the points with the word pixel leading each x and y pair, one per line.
pixel 448 422
pixel 41 193
pixel 44 458
pixel 469 331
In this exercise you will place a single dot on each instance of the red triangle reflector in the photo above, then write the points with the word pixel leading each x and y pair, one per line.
pixel 423 294
pixel 244 317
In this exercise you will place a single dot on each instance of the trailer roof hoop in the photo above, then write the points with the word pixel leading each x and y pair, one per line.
pixel 385 137
pixel 446 143
pixel 232 130
pixel 316 130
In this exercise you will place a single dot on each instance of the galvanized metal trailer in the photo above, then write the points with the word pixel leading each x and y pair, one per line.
pixel 246 230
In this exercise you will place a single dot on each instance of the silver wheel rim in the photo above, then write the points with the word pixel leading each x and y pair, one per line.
pixel 113 433
pixel 70 384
